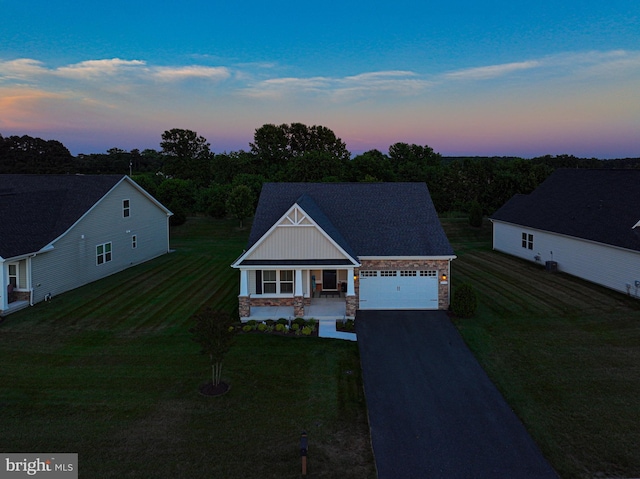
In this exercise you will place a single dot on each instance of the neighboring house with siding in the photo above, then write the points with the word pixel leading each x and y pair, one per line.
pixel 584 222
pixel 59 232
pixel 373 245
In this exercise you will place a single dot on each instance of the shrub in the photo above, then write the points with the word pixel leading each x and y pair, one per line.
pixel 270 322
pixel 282 321
pixel 295 326
pixel 299 321
pixel 281 328
pixel 307 330
pixel 465 302
pixel 246 328
pixel 262 327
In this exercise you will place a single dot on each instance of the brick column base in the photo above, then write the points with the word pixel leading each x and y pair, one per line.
pixel 244 306
pixel 351 306
pixel 298 306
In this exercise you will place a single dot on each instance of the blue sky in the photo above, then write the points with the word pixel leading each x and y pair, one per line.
pixel 466 78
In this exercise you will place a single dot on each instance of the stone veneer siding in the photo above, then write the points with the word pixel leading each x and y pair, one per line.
pixel 442 266
pixel 244 306
pixel 246 302
pixel 21 295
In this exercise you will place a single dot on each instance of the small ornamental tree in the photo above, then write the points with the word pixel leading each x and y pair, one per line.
pixel 240 203
pixel 214 331
pixel 465 302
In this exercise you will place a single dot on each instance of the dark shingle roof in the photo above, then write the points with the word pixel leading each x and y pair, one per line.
pixel 37 209
pixel 593 204
pixel 365 219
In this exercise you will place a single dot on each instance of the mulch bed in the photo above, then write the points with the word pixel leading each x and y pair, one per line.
pixel 209 389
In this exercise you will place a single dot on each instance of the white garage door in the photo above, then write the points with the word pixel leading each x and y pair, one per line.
pixel 398 289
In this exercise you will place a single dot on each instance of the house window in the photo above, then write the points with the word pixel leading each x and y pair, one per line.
pixel 286 281
pixel 527 241
pixel 103 253
pixel 388 273
pixel 368 274
pixel 431 273
pixel 408 273
pixel 269 283
pixel 13 275
pixel 275 282
pixel 126 208
pixel 134 241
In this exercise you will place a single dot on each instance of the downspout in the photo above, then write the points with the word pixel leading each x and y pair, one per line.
pixel 30 279
pixel 168 231
pixel 3 287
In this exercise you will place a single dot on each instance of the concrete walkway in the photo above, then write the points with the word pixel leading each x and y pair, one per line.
pixel 433 411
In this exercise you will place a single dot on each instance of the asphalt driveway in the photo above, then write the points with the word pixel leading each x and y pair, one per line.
pixel 433 411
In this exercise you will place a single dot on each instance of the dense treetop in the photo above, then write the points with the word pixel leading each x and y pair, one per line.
pixel 189 178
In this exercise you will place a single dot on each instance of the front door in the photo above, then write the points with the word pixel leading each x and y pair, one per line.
pixel 329 279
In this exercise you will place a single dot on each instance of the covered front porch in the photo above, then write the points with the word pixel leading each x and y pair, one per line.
pixel 306 290
pixel 15 284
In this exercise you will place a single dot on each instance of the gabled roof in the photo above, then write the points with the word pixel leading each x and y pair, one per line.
pixel 365 219
pixel 37 209
pixel 599 205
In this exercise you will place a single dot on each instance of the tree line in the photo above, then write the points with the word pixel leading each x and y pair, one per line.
pixel 189 178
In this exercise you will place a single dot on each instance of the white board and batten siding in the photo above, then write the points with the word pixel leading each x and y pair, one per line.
pixel 390 289
pixel 296 242
pixel 608 266
pixel 73 260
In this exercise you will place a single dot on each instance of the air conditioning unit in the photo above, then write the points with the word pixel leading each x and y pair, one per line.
pixel 551 266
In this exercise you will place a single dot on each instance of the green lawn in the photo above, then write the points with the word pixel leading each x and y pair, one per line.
pixel 109 371
pixel 564 352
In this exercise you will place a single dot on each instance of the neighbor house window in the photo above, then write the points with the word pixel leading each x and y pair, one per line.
pixel 134 241
pixel 527 241
pixel 103 253
pixel 126 208
pixel 13 275
pixel 274 282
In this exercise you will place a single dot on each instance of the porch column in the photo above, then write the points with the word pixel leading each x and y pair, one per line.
pixel 298 295
pixel 351 290
pixel 244 302
pixel 350 306
pixel 244 282
pixel 298 283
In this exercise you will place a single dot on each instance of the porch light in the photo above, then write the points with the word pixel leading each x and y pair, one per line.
pixel 443 277
pixel 355 277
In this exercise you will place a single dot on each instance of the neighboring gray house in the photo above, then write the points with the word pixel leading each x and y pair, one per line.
pixel 59 232
pixel 584 222
pixel 374 245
